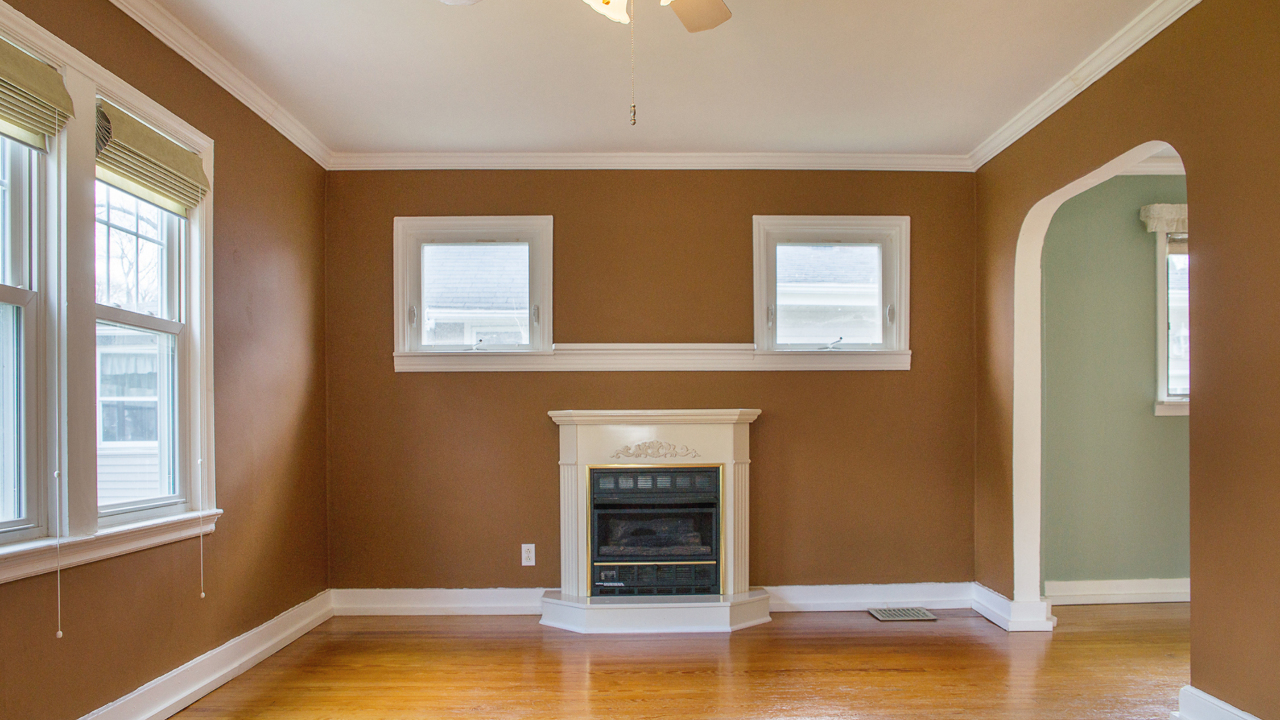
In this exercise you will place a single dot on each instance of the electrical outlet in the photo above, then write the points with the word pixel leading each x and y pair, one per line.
pixel 526 555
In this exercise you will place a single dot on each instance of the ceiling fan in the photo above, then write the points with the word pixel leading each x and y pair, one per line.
pixel 697 15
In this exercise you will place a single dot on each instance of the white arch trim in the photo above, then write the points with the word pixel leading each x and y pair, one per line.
pixel 1029 611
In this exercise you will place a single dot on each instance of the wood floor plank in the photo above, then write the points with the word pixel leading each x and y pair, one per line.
pixel 1122 662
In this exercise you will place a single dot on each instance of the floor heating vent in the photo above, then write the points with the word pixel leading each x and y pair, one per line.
pixel 888 614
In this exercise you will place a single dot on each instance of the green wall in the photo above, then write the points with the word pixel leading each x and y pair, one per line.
pixel 1115 476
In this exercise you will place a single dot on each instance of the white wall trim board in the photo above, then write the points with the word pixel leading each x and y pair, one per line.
pixel 25 559
pixel 1194 704
pixel 1020 616
pixel 190 46
pixel 650 161
pixel 641 357
pixel 433 601
pixel 1109 592
pixel 166 695
pixel 161 23
pixel 847 598
pixel 1160 15
pixel 1158 166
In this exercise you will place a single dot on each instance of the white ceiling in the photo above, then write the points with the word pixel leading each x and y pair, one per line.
pixel 783 76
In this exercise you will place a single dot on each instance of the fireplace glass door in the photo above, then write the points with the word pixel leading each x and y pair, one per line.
pixel 655 531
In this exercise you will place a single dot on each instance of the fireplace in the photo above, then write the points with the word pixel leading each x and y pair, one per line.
pixel 654 523
pixel 655 530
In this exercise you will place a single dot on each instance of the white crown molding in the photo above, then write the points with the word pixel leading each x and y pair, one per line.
pixel 166 695
pixel 1158 165
pixel 649 161
pixel 1160 15
pixel 653 357
pixel 186 43
pixel 161 23
pixel 1196 704
pixel 1116 592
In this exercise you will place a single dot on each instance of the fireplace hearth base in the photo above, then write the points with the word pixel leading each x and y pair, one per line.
pixel 655 614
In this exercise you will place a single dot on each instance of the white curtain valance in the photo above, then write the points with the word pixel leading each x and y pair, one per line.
pixel 34 103
pixel 1165 218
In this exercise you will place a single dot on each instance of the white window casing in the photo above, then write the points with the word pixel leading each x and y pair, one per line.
pixel 413 234
pixel 889 235
pixel 1169 222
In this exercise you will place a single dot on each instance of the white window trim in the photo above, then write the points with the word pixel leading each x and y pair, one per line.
pixel 770 230
pixel 1165 220
pixel 70 499
pixel 649 357
pixel 412 232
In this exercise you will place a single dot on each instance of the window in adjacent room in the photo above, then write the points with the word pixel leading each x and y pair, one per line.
pixel 473 284
pixel 1173 327
pixel 832 284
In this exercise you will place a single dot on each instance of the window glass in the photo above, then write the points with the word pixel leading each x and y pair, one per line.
pixel 12 506
pixel 16 163
pixel 136 415
pixel 829 293
pixel 1179 321
pixel 475 294
pixel 132 243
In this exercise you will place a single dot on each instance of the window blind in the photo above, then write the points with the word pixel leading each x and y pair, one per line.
pixel 140 160
pixel 34 104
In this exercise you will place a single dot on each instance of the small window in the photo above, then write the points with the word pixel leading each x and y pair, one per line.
pixel 473 284
pixel 826 284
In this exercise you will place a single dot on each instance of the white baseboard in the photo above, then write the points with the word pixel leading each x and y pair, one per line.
pixel 1196 705
pixel 165 696
pixel 1107 592
pixel 492 601
pixel 1012 616
pixel 845 598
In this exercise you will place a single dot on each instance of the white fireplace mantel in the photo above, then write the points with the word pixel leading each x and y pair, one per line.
pixel 602 438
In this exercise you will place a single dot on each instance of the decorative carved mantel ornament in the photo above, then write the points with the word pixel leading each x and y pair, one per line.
pixel 656 449
pixel 1165 218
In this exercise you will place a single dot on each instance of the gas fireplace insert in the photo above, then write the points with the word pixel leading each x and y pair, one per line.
pixel 655 530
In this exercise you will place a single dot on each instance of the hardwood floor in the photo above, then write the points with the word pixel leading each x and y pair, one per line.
pixel 1116 662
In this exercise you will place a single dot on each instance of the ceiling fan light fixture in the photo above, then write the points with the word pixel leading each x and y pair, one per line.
pixel 615 10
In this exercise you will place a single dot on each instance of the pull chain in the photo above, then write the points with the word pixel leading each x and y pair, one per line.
pixel 633 62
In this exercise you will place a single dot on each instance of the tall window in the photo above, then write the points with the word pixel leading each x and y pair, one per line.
pixel 138 245
pixel 18 194
pixel 832 284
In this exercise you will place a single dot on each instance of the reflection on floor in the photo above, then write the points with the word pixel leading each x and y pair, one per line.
pixel 1116 662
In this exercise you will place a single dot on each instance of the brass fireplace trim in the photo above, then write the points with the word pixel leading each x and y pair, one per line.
pixel 586 566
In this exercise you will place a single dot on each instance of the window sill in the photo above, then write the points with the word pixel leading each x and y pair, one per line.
pixel 655 357
pixel 1172 408
pixel 36 557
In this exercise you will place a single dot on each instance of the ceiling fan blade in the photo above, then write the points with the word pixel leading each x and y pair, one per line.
pixel 699 15
pixel 615 10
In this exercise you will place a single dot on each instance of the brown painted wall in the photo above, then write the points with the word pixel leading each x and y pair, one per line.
pixel 1210 86
pixel 857 477
pixel 131 619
